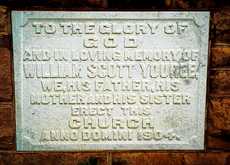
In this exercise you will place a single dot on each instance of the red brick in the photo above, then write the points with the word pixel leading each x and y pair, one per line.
pixel 172 158
pixel 220 56
pixel 168 3
pixel 201 4
pixel 7 126
pixel 219 122
pixel 219 81
pixel 141 158
pixel 4 22
pixel 5 75
pixel 73 3
pixel 206 158
pixel 221 25
pixel 218 142
pixel 14 158
pixel 219 114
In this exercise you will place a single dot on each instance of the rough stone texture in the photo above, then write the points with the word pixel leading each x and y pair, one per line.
pixel 69 3
pixel 219 81
pixel 32 121
pixel 219 115
pixel 216 114
pixel 220 56
pixel 219 122
pixel 136 4
pixel 163 4
pixel 188 4
pixel 218 143
pixel 5 75
pixel 171 158
pixel 54 4
pixel 221 25
pixel 4 29
pixel 207 159
pixel 147 159
pixel 182 4
pixel 7 126
pixel 13 158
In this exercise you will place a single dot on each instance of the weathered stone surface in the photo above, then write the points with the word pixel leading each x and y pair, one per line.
pixel 7 126
pixel 219 81
pixel 110 90
pixel 220 55
pixel 4 22
pixel 14 158
pixel 218 115
pixel 5 75
pixel 219 122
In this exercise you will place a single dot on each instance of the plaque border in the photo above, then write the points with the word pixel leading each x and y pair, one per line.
pixel 200 19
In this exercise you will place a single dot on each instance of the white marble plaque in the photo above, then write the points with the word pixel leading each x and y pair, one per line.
pixel 110 80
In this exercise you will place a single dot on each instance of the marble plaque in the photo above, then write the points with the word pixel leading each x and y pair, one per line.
pixel 110 80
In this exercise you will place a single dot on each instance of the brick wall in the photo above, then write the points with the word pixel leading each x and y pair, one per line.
pixel 217 143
